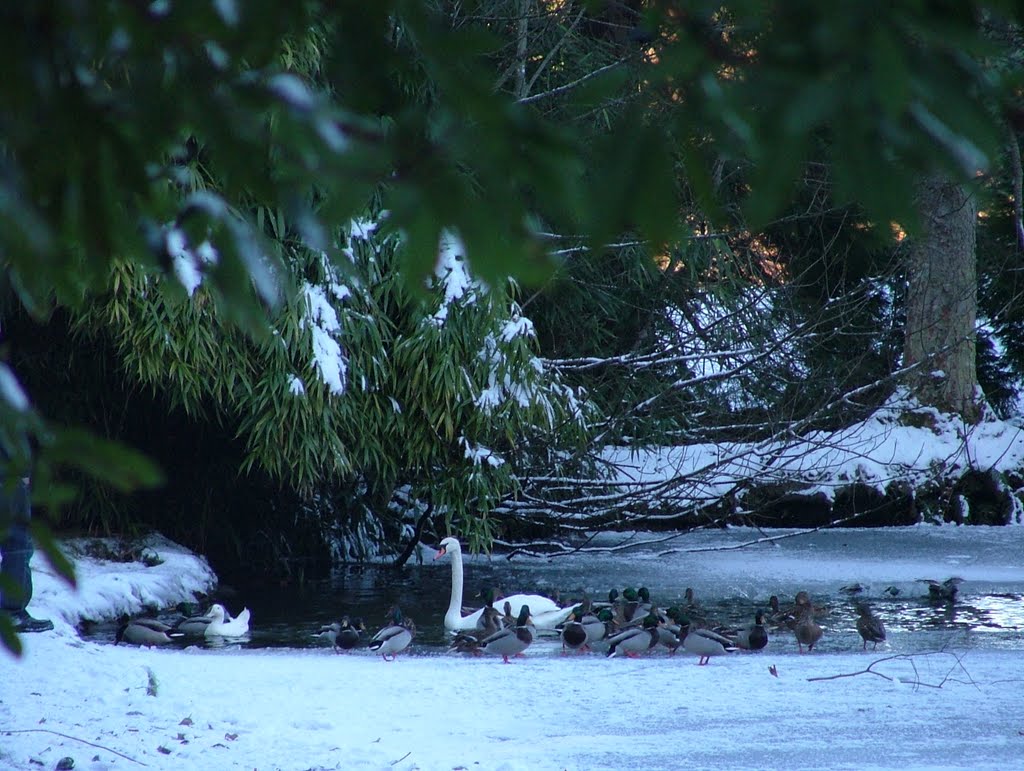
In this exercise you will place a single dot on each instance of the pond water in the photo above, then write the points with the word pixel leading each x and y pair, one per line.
pixel 730 580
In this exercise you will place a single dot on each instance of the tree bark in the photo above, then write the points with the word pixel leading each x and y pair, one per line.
pixel 942 301
pixel 521 48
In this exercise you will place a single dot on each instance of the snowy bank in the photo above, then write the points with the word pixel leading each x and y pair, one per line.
pixel 889 451
pixel 109 588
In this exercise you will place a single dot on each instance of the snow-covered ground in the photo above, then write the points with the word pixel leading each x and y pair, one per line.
pixel 118 707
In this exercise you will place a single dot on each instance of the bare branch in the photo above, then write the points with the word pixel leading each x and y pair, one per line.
pixel 574 84
pixel 908 657
pixel 74 739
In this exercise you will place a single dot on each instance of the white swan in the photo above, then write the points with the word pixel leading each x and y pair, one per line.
pixel 221 625
pixel 546 613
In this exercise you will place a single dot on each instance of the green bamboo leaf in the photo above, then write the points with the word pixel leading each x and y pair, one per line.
pixel 8 636
pixel 111 462
pixel 47 543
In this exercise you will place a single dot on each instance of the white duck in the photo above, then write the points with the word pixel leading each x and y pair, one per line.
pixel 222 625
pixel 545 612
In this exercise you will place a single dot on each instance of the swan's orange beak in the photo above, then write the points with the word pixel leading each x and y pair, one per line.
pixel 440 553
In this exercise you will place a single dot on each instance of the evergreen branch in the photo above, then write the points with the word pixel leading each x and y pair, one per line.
pixel 554 49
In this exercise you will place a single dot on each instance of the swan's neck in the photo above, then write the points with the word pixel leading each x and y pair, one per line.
pixel 455 606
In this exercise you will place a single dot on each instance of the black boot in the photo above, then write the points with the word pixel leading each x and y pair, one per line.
pixel 23 622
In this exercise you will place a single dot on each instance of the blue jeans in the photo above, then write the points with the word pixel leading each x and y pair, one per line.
pixel 16 547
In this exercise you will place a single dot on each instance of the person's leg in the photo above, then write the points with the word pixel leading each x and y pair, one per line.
pixel 16 551
pixel 16 548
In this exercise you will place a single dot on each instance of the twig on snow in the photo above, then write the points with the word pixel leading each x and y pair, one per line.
pixel 73 738
pixel 918 682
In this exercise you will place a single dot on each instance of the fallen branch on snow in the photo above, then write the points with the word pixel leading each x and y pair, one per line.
pixel 74 739
pixel 918 682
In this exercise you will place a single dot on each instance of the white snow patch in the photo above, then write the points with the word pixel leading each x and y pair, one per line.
pixel 328 357
pixel 453 273
pixel 479 454
pixel 189 264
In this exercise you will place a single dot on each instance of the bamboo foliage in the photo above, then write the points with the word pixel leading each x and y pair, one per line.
pixel 439 394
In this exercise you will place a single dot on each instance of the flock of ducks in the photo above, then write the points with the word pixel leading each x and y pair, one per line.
pixel 216 622
pixel 628 623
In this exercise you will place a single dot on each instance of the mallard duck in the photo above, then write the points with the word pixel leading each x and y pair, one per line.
pixel 351 631
pixel 395 637
pixel 778 617
pixel 636 605
pixel 627 599
pixel 469 642
pixel 344 636
pixel 943 591
pixel 803 599
pixel 670 635
pixel 223 625
pixel 145 631
pixel 752 637
pixel 596 627
pixel 789 616
pixel 488 595
pixel 507 619
pixel 194 626
pixel 705 644
pixel 546 612
pixel 582 628
pixel 607 618
pixel 676 619
pixel 613 598
pixel 513 640
pixel 574 634
pixel 870 627
pixel 696 613
pixel 636 639
pixel 807 630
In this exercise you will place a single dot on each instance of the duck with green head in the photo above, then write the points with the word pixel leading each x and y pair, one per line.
pixel 582 628
pixel 668 631
pixel 704 643
pixel 395 637
pixel 343 636
pixel 634 640
pixel 752 637
pixel 513 640
pixel 469 642
pixel 637 604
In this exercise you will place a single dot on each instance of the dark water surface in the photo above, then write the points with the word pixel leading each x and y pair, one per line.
pixel 730 586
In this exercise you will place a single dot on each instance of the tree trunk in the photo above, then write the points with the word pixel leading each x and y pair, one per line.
pixel 942 301
pixel 521 48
